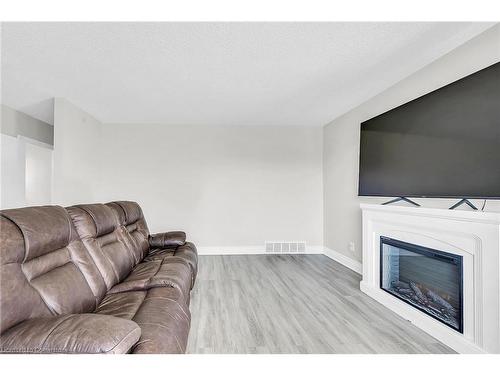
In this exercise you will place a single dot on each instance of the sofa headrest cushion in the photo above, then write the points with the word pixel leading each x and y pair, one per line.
pixel 132 211
pixel 118 211
pixel 45 228
pixel 105 219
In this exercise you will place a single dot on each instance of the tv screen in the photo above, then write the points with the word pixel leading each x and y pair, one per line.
pixel 443 144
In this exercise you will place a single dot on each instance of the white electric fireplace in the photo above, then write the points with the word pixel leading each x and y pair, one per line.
pixel 437 268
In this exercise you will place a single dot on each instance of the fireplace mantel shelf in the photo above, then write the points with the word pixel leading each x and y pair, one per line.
pixel 489 217
pixel 472 235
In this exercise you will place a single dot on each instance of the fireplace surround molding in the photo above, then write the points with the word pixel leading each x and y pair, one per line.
pixel 473 235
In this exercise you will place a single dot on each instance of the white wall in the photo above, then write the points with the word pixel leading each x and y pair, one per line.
pixel 38 174
pixel 342 216
pixel 16 123
pixel 225 186
pixel 26 160
pixel 12 175
pixel 77 150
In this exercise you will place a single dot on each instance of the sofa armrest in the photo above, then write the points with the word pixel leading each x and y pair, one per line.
pixel 76 333
pixel 167 239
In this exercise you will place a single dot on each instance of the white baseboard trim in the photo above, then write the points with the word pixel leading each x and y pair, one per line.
pixel 354 265
pixel 249 250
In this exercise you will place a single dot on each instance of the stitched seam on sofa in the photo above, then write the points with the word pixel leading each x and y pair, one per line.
pixel 51 310
pixel 178 343
pixel 70 223
pixel 98 272
pixel 52 330
pixel 140 342
pixel 29 261
pixel 157 270
pixel 107 258
pixel 107 239
pixel 139 305
pixel 125 236
pixel 93 259
pixel 134 288
pixel 93 219
pixel 127 248
pixel 125 211
pixel 122 340
pixel 173 300
pixel 24 237
pixel 156 325
pixel 179 260
pixel 167 328
pixel 99 245
pixel 84 278
pixel 43 274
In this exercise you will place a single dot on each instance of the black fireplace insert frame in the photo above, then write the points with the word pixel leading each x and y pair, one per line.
pixel 426 251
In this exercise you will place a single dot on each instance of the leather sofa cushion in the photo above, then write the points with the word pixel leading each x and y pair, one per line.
pixel 105 219
pixel 159 254
pixel 109 250
pixel 163 317
pixel 40 274
pixel 118 211
pixel 173 273
pixel 123 305
pixel 134 224
pixel 81 333
pixel 186 252
pixel 127 304
pixel 132 211
pixel 44 228
pixel 167 239
pixel 93 220
pixel 164 323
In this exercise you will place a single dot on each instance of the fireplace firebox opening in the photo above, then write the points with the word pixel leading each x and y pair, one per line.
pixel 427 279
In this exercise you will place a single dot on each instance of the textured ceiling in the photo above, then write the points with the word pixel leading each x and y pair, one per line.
pixel 302 74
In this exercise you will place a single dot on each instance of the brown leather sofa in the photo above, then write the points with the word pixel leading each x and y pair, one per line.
pixel 91 279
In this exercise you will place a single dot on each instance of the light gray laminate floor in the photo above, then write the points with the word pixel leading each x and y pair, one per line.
pixel 293 304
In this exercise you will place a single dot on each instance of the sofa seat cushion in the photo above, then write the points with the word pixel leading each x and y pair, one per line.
pixel 163 317
pixel 76 333
pixel 186 252
pixel 124 305
pixel 164 323
pixel 159 254
pixel 169 272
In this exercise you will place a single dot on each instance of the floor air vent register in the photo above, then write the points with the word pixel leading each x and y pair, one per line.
pixel 285 247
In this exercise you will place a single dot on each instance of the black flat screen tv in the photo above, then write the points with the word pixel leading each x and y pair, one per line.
pixel 445 144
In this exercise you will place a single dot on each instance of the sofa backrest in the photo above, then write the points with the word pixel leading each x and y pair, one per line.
pixel 41 263
pixel 101 233
pixel 132 219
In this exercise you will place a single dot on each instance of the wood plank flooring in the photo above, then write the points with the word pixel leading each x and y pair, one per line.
pixel 293 304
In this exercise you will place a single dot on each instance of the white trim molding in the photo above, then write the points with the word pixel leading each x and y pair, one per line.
pixel 251 250
pixel 353 264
